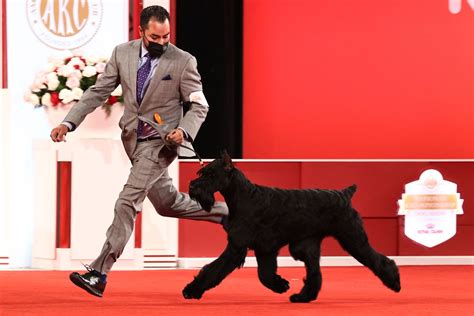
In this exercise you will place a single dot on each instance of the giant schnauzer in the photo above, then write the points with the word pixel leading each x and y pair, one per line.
pixel 265 219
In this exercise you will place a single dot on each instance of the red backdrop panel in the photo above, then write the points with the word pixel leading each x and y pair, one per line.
pixel 358 79
pixel 381 184
pixel 376 183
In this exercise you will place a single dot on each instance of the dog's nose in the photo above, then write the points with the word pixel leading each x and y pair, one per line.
pixel 191 187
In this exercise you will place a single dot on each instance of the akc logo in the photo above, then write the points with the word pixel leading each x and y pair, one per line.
pixel 64 24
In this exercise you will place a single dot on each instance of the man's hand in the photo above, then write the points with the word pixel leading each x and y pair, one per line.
pixel 175 136
pixel 58 133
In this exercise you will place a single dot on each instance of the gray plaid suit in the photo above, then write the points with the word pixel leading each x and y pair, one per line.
pixel 150 159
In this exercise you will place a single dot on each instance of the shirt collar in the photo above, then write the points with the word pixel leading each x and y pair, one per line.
pixel 143 51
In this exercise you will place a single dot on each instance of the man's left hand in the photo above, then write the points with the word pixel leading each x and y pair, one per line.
pixel 175 136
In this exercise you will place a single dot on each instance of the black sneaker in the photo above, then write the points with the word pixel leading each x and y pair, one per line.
pixel 93 281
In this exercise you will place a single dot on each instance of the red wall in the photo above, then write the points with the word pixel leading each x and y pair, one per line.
pixel 380 185
pixel 355 79
pixel 358 79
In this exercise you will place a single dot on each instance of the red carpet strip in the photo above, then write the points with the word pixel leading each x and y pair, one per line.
pixel 429 290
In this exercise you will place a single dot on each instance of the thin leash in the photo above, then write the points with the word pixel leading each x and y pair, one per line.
pixel 160 121
pixel 194 151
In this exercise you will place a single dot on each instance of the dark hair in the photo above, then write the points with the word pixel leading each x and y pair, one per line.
pixel 153 12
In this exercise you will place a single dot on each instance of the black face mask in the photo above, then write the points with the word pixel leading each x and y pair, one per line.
pixel 156 50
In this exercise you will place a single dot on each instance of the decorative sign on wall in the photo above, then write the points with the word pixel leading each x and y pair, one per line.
pixel 64 24
pixel 430 206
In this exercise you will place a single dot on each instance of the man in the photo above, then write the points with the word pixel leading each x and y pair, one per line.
pixel 156 78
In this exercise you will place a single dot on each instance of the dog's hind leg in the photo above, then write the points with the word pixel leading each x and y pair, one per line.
pixel 353 238
pixel 267 266
pixel 309 251
pixel 213 273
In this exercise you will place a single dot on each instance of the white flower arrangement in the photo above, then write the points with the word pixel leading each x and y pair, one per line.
pixel 63 81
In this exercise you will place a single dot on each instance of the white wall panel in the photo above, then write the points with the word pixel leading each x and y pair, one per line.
pixel 45 166
pixel 30 44
pixel 4 175
pixel 99 170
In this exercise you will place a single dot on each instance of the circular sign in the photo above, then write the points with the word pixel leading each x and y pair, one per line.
pixel 64 24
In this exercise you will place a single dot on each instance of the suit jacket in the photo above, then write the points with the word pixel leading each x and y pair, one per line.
pixel 175 79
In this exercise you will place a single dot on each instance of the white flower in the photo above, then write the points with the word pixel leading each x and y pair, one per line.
pixel 117 92
pixel 66 70
pixel 89 71
pixel 51 76
pixel 38 89
pixel 103 59
pixel 76 73
pixel 66 95
pixel 100 67
pixel 53 84
pixel 33 99
pixel 39 81
pixel 77 93
pixel 50 67
pixel 37 86
pixel 76 61
pixel 52 81
pixel 90 61
pixel 73 82
pixel 57 62
pixel 46 99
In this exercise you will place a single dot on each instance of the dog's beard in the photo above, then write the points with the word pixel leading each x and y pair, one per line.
pixel 205 199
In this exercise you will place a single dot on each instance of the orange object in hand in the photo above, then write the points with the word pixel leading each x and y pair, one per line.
pixel 158 118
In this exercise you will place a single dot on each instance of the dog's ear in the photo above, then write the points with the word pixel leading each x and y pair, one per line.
pixel 227 160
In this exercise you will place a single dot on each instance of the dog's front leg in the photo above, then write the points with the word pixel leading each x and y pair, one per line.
pixel 213 273
pixel 267 266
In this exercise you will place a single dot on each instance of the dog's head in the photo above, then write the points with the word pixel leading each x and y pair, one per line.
pixel 212 178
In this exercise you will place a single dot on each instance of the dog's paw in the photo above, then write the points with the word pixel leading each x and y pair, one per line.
pixel 389 275
pixel 280 285
pixel 298 298
pixel 191 291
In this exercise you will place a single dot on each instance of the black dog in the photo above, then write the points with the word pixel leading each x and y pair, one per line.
pixel 266 219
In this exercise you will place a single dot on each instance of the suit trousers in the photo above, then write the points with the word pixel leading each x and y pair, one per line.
pixel 149 178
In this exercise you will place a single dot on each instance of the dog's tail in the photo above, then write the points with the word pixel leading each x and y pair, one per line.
pixel 349 191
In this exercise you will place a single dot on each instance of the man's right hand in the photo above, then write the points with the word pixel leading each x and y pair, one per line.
pixel 58 133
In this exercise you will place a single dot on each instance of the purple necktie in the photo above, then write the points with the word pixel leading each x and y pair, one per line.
pixel 142 74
